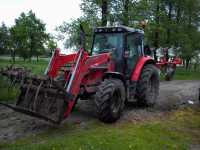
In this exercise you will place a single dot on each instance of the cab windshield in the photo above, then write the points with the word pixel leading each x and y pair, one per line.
pixel 107 42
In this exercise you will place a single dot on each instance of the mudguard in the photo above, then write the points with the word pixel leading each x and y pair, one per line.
pixel 135 75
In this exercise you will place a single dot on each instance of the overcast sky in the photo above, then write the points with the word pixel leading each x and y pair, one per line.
pixel 52 12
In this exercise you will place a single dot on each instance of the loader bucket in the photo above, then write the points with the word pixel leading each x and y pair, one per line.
pixel 40 96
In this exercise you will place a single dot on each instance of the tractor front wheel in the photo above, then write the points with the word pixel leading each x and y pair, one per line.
pixel 109 99
pixel 148 86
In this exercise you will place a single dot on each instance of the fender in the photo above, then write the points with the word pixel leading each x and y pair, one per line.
pixel 135 75
pixel 116 75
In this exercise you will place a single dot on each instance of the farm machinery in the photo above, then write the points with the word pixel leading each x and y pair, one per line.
pixel 167 60
pixel 115 72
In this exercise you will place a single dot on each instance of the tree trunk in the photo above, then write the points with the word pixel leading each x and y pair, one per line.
pixel 184 66
pixel 125 13
pixel 157 34
pixel 169 21
pixel 157 37
pixel 104 11
pixel 37 58
pixel 13 56
pixel 187 63
pixel 195 67
pixel 178 16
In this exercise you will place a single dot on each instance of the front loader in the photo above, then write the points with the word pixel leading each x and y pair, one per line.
pixel 116 71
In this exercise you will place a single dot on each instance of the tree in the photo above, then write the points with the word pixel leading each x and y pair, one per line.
pixel 104 12
pixel 97 9
pixel 4 39
pixel 70 33
pixel 122 11
pixel 190 24
pixel 51 44
pixel 95 14
pixel 28 35
pixel 170 23
pixel 173 23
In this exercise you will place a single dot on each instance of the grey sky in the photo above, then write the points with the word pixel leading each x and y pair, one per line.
pixel 52 12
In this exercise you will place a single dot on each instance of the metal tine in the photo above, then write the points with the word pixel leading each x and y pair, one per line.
pixel 12 83
pixel 22 80
pixel 36 96
pixel 61 88
pixel 27 91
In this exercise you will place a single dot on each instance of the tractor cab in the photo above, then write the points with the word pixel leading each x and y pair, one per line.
pixel 125 44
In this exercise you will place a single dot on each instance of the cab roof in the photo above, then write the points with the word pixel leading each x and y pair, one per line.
pixel 117 29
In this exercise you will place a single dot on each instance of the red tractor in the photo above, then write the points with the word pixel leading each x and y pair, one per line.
pixel 115 72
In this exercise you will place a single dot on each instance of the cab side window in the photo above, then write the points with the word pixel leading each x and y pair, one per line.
pixel 131 47
pixel 134 48
pixel 134 45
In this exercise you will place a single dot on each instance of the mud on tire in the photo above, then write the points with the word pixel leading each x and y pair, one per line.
pixel 148 86
pixel 109 100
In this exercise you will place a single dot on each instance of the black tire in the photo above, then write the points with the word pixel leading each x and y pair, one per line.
pixel 109 100
pixel 148 86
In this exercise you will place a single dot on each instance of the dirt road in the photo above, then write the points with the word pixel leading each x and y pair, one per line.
pixel 173 95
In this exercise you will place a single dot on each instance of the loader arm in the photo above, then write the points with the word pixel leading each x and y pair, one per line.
pixel 82 67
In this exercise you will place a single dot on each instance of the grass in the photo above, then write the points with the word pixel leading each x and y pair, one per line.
pixel 36 67
pixel 8 93
pixel 182 74
pixel 180 130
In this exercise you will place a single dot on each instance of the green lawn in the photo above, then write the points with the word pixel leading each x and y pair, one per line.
pixel 182 74
pixel 36 67
pixel 176 131
pixel 9 94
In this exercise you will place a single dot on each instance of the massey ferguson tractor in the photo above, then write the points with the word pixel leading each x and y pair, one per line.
pixel 115 72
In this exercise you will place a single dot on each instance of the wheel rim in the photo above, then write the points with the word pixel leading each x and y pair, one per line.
pixel 115 102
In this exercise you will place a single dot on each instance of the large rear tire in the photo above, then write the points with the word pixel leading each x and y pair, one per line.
pixel 148 86
pixel 109 100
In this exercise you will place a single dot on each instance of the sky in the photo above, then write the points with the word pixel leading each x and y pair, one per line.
pixel 51 12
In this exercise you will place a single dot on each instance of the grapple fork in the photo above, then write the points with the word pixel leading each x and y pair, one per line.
pixel 41 97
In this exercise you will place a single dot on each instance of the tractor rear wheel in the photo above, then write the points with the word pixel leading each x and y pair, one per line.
pixel 148 86
pixel 109 100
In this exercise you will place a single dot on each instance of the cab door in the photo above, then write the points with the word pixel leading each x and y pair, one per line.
pixel 133 50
